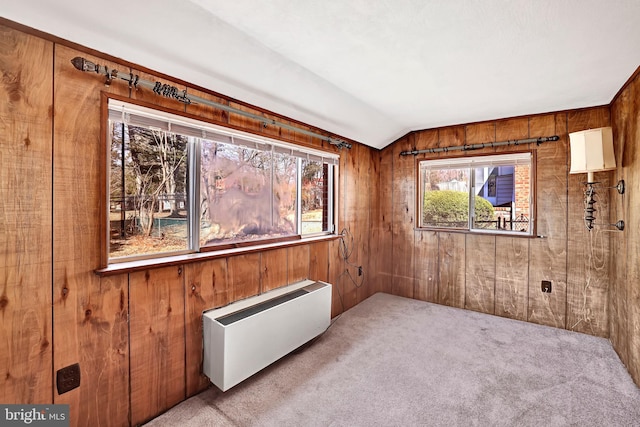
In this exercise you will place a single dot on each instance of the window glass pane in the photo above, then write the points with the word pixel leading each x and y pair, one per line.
pixel 315 197
pixel 502 199
pixel 492 190
pixel 285 172
pixel 245 194
pixel 147 191
pixel 445 197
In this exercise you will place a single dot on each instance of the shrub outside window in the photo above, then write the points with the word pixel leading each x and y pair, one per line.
pixel 492 193
pixel 178 185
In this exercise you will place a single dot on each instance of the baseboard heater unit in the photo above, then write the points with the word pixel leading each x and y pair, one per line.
pixel 244 337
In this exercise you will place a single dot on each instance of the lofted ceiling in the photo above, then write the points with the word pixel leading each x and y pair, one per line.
pixel 365 69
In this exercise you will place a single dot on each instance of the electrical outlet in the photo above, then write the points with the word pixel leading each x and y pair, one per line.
pixel 68 378
pixel 546 286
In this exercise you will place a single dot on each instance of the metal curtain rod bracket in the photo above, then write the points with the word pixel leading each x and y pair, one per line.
pixel 169 91
pixel 468 147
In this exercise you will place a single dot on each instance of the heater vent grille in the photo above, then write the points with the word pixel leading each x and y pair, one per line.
pixel 250 311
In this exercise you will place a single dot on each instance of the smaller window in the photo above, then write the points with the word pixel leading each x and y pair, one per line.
pixel 316 197
pixel 483 193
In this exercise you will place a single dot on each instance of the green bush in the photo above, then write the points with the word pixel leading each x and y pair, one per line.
pixel 451 208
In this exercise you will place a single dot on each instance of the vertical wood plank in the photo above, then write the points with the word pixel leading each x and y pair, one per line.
pixel 273 269
pixel 426 266
pixel 349 170
pixel 244 276
pixel 548 261
pixel 356 219
pixel 362 245
pixel 25 218
pixel 478 133
pixel 631 163
pixel 298 257
pixel 451 136
pixel 376 235
pixel 551 176
pixel 157 327
pixel 89 313
pixel 340 301
pixel 337 266
pixel 625 269
pixel 512 277
pixel 426 242
pixel 587 285
pixel 371 260
pixel 451 273
pixel 319 261
pixel 384 224
pixel 510 129
pixel 480 280
pixel 624 128
pixel 206 287
pixel 353 197
pixel 404 180
pixel 548 256
pixel 588 252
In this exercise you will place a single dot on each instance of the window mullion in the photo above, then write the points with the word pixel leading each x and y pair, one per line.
pixel 298 195
pixel 472 192
pixel 193 194
pixel 272 192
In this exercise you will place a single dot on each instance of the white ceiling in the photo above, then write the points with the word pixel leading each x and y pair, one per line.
pixel 365 69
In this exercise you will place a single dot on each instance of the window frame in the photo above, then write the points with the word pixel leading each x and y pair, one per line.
pixel 193 184
pixel 473 162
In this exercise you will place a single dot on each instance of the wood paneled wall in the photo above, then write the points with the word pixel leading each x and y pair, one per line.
pixel 496 274
pixel 25 218
pixel 138 336
pixel 624 299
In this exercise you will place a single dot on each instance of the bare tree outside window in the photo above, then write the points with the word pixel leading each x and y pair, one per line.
pixel 148 191
pixel 314 197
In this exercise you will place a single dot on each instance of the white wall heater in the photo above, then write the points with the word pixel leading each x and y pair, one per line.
pixel 246 336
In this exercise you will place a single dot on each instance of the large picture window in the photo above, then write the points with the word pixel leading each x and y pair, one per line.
pixel 484 193
pixel 178 185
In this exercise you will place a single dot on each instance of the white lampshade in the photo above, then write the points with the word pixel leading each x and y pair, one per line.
pixel 592 151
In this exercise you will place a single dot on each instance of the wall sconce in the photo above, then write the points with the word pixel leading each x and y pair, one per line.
pixel 592 151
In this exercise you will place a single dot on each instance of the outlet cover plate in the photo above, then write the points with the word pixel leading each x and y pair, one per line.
pixel 68 378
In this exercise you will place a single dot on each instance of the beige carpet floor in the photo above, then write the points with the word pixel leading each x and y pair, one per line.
pixel 393 361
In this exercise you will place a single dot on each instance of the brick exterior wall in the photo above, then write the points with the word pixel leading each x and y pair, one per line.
pixel 523 189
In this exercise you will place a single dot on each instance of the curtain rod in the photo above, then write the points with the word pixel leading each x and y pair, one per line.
pixel 169 91
pixel 538 141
